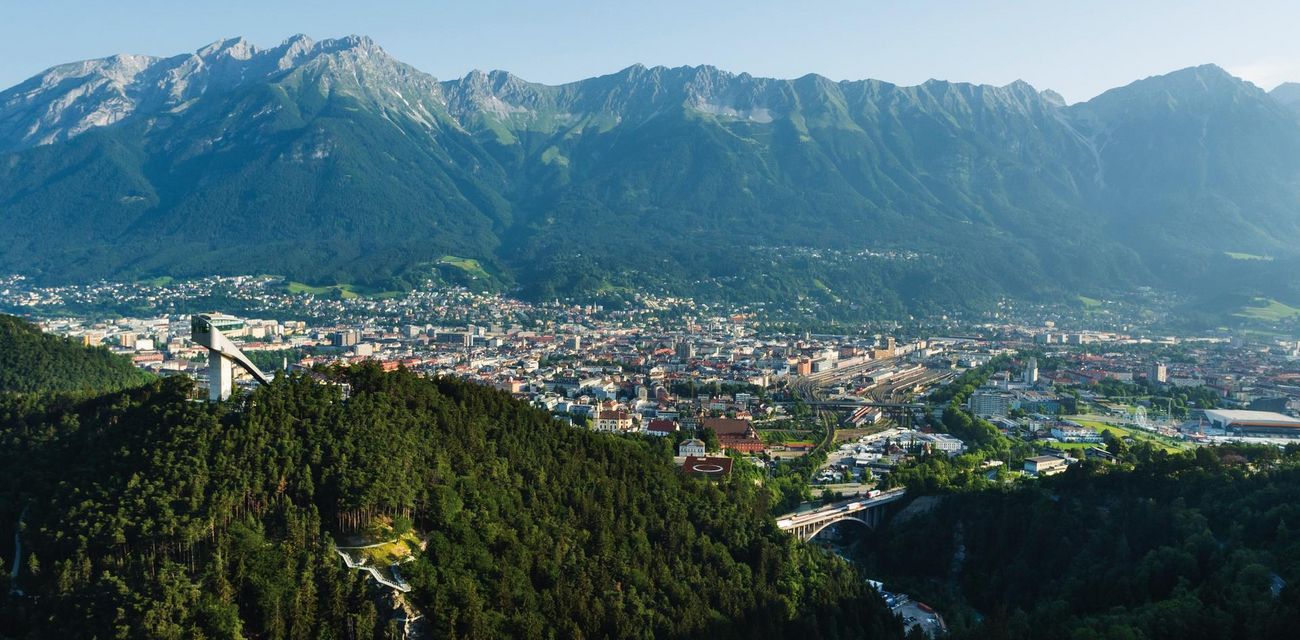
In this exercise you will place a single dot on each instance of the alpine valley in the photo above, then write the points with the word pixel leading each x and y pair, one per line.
pixel 331 162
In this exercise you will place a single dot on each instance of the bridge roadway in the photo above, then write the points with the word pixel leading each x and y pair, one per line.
pixel 866 511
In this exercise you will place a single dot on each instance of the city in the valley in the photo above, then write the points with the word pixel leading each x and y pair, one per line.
pixel 671 368
pixel 840 423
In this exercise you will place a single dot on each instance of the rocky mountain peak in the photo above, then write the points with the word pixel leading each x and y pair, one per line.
pixel 67 100
pixel 235 48
pixel 1287 93
pixel 1053 98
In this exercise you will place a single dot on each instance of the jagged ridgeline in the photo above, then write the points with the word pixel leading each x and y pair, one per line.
pixel 31 360
pixel 331 162
pixel 146 514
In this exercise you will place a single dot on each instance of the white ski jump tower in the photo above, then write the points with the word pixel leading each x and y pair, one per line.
pixel 205 330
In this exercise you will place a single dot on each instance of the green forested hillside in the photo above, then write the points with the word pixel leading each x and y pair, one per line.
pixel 34 361
pixel 145 514
pixel 1181 546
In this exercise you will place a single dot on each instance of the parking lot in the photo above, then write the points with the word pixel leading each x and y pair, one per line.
pixel 915 614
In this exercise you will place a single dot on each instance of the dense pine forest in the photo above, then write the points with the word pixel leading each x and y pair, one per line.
pixel 1177 546
pixel 34 361
pixel 143 513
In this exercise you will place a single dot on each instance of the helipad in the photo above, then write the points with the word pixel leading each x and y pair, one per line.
pixel 707 466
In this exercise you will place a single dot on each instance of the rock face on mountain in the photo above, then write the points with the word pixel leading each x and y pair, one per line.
pixel 332 161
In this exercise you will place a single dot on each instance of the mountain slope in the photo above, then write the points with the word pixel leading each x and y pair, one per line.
pixel 32 361
pixel 1198 160
pixel 281 173
pixel 1288 94
pixel 332 162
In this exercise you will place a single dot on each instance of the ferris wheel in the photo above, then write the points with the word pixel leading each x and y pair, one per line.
pixel 1138 416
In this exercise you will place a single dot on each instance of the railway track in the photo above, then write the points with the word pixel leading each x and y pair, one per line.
pixel 898 390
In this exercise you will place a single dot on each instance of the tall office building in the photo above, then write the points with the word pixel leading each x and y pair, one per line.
pixel 1158 373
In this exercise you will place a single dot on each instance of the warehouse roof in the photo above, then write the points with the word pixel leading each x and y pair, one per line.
pixel 1233 416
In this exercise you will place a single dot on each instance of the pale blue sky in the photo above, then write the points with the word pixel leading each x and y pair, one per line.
pixel 1076 48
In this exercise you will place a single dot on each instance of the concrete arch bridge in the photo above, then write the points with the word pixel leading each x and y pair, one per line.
pixel 867 510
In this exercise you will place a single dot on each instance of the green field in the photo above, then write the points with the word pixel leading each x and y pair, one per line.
pixel 345 291
pixel 1077 446
pixel 1268 310
pixel 772 436
pixel 606 288
pixel 1125 432
pixel 1235 255
pixel 393 551
pixel 1089 303
pixel 468 265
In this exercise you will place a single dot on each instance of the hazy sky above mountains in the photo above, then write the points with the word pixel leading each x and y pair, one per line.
pixel 1078 50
